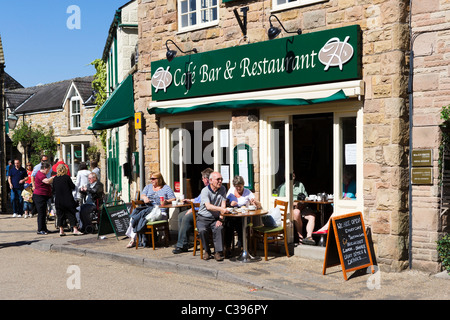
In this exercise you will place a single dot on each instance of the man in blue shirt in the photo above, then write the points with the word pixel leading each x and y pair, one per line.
pixel 17 178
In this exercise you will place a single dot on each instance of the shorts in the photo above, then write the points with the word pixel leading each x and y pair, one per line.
pixel 27 206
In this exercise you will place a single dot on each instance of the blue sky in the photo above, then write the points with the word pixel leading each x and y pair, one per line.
pixel 40 48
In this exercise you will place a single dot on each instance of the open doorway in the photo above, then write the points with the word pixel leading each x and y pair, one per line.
pixel 313 152
pixel 199 155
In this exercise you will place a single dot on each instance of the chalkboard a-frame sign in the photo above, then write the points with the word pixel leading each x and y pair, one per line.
pixel 114 219
pixel 347 244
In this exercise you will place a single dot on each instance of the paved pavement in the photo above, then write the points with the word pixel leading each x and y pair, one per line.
pixel 297 277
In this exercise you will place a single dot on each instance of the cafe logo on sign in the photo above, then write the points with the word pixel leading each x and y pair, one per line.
pixel 335 53
pixel 317 57
pixel 161 79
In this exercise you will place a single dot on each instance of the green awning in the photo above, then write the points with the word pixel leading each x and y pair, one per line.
pixel 118 109
pixel 238 104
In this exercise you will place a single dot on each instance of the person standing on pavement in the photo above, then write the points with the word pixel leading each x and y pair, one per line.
pixel 82 182
pixel 17 178
pixel 42 193
pixel 209 217
pixel 29 168
pixel 65 204
pixel 27 195
pixel 44 158
pixel 55 167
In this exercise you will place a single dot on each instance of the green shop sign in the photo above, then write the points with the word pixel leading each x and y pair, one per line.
pixel 319 57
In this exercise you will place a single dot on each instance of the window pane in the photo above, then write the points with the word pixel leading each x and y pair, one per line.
pixel 192 5
pixel 277 136
pixel 192 19
pixel 348 129
pixel 184 6
pixel 209 15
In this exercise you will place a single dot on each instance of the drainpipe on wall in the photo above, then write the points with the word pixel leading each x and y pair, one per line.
pixel 141 161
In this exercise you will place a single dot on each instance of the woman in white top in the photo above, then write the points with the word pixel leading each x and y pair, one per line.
pixel 238 197
pixel 82 181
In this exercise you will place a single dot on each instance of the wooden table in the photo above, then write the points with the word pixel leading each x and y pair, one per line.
pixel 245 255
pixel 179 205
pixel 320 207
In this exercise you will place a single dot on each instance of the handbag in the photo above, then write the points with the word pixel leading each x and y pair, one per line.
pixel 273 218
pixel 154 215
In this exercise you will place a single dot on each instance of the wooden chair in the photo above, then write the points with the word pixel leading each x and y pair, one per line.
pixel 152 227
pixel 196 235
pixel 276 233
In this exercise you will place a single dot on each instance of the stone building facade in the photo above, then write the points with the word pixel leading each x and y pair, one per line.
pixel 429 40
pixel 66 107
pixel 382 105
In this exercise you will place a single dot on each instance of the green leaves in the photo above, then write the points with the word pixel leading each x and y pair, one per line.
pixel 35 140
pixel 443 249
pixel 99 86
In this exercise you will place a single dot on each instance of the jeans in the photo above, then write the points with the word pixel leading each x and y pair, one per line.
pixel 27 206
pixel 17 201
pixel 186 225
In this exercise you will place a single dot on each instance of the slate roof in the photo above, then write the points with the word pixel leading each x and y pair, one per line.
pixel 47 97
pixel 11 83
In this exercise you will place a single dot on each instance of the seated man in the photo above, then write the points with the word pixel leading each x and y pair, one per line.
pixel 94 200
pixel 209 217
pixel 186 219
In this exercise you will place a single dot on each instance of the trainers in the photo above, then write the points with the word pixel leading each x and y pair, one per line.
pixel 14 215
pixel 218 256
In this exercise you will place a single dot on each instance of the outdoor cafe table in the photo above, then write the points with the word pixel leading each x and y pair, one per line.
pixel 245 255
pixel 320 207
pixel 178 205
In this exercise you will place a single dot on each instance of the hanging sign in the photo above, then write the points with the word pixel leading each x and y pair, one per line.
pixel 317 57
pixel 347 244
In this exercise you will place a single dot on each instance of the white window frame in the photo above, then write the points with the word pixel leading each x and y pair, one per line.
pixel 293 4
pixel 199 24
pixel 72 114
pixel 177 121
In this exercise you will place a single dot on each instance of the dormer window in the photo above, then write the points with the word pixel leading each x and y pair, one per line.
pixel 75 113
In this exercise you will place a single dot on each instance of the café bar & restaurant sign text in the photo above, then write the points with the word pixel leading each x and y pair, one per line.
pixel 318 57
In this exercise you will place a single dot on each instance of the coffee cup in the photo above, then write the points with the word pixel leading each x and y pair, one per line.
pixel 174 203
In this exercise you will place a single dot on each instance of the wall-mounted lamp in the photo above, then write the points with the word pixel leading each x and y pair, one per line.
pixel 12 121
pixel 273 32
pixel 170 54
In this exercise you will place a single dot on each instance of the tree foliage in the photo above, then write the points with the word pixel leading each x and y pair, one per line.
pixel 35 140
pixel 99 86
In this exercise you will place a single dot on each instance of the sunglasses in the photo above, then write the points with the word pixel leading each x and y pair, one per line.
pixel 153 178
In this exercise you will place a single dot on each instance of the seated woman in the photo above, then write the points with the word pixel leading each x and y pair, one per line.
pixel 349 193
pixel 238 197
pixel 151 195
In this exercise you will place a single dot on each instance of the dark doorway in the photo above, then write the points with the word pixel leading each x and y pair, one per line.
pixel 313 152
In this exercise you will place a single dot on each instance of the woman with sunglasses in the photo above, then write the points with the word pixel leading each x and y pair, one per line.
pixel 152 194
pixel 158 188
